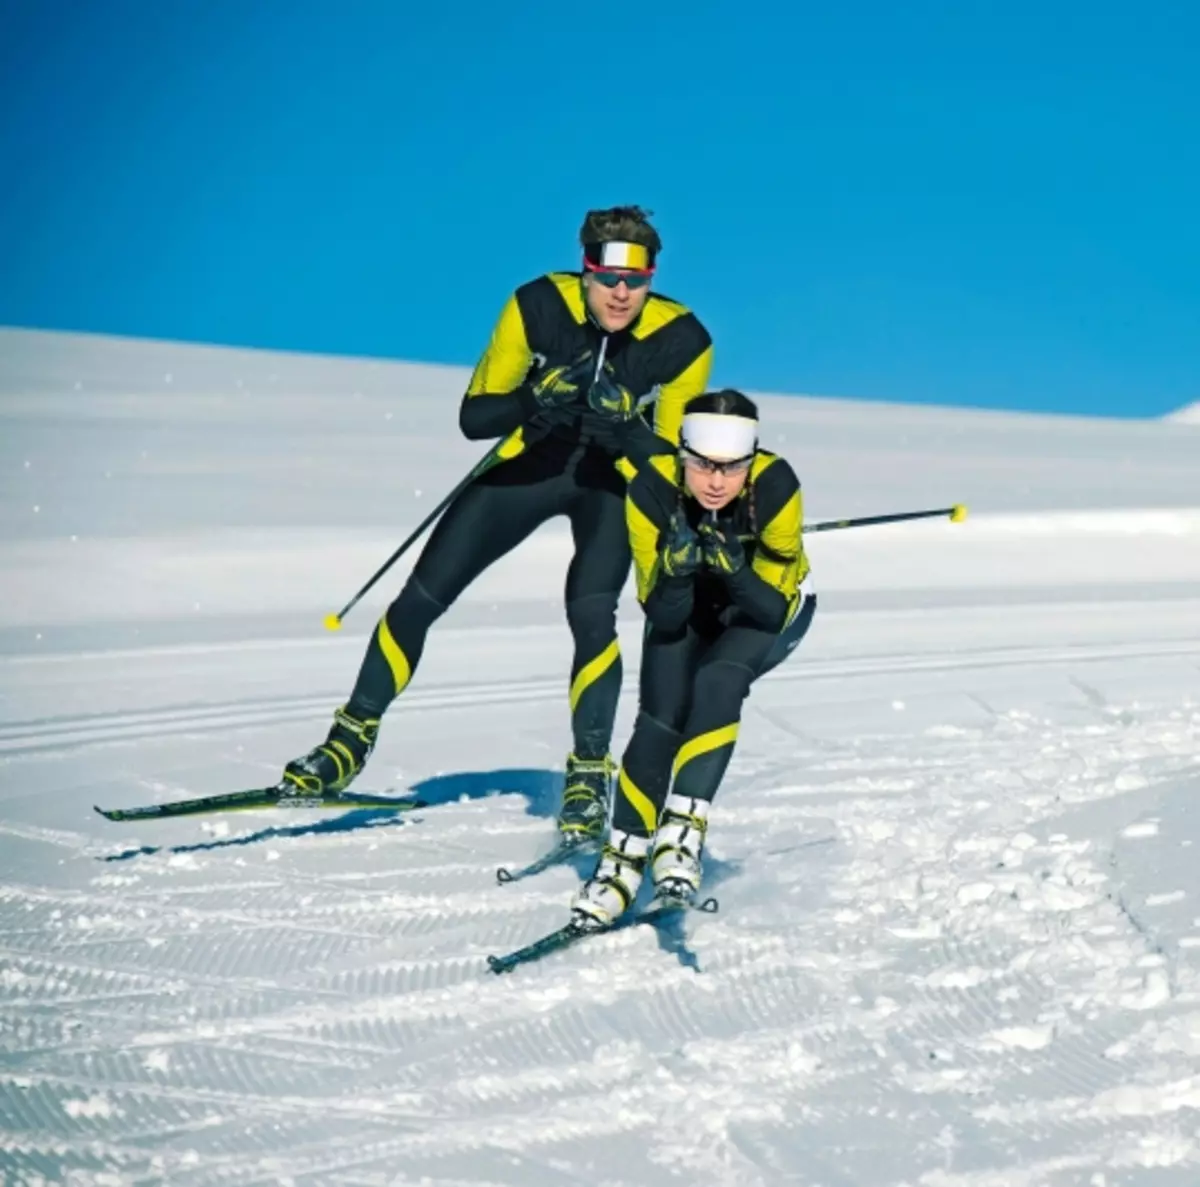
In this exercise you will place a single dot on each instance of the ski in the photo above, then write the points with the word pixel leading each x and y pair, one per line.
pixel 279 796
pixel 560 853
pixel 571 933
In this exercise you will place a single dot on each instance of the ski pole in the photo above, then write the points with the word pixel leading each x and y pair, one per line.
pixel 333 622
pixel 957 514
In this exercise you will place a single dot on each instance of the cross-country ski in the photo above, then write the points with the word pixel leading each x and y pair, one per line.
pixel 280 796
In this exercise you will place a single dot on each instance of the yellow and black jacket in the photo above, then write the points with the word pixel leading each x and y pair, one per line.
pixel 767 518
pixel 546 322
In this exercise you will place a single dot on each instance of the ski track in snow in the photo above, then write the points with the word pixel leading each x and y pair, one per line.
pixel 928 962
pixel 957 943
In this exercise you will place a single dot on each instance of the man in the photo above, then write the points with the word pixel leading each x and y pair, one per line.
pixel 572 356
pixel 724 582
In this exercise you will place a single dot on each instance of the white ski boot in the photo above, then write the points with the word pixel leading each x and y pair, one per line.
pixel 610 891
pixel 678 845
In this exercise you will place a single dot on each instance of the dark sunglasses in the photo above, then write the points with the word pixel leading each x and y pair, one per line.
pixel 635 278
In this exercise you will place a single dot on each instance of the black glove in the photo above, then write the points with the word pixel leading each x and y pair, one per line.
pixel 562 384
pixel 680 555
pixel 610 398
pixel 721 548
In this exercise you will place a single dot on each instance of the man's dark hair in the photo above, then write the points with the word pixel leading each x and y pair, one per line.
pixel 726 402
pixel 625 224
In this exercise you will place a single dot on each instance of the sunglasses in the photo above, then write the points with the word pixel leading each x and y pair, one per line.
pixel 635 278
pixel 694 461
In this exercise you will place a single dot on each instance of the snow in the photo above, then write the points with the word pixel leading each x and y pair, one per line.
pixel 1188 415
pixel 959 936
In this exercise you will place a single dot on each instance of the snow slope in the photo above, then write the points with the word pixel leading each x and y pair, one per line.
pixel 959 932
pixel 1189 414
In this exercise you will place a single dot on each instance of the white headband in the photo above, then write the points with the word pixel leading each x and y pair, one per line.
pixel 618 254
pixel 718 436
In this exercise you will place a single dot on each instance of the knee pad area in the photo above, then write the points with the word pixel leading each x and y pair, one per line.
pixel 595 614
pixel 415 606
pixel 722 684
pixel 662 729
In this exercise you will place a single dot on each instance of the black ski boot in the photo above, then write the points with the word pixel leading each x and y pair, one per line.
pixel 586 795
pixel 333 765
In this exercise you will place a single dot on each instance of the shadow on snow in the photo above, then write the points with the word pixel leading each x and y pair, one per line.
pixel 540 788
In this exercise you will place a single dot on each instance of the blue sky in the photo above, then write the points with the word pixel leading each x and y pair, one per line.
pixel 960 202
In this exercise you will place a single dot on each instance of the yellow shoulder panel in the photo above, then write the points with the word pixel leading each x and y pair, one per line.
pixel 656 313
pixel 507 359
pixel 762 460
pixel 643 541
pixel 673 396
pixel 667 465
pixel 647 501
pixel 781 560
pixel 572 294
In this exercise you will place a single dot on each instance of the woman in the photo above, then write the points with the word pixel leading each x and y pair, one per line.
pixel 722 576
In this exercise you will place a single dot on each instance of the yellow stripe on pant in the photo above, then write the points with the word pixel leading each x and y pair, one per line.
pixel 592 671
pixel 396 659
pixel 704 743
pixel 701 761
pixel 639 801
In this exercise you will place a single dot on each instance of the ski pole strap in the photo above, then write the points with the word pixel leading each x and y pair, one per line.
pixel 956 514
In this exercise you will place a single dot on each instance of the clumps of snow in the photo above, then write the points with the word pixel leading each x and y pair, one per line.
pixel 974 892
pixel 1018 1038
pixel 1131 780
pixel 951 977
pixel 1147 1100
pixel 1141 830
pixel 157 1060
pixel 1155 1150
pixel 96 1105
pixel 1162 900
pixel 1154 991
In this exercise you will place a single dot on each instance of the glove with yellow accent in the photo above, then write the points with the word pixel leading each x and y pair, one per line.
pixel 562 384
pixel 721 548
pixel 610 398
pixel 680 553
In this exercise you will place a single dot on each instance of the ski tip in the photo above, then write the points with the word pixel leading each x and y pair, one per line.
pixel 105 812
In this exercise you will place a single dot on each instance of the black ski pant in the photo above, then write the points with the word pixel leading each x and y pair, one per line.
pixel 693 685
pixel 489 519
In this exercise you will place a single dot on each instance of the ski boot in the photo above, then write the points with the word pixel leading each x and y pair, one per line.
pixel 333 765
pixel 610 891
pixel 678 844
pixel 586 794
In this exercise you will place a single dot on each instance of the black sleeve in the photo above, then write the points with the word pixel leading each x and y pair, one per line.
pixel 669 604
pixel 486 415
pixel 639 442
pixel 762 603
